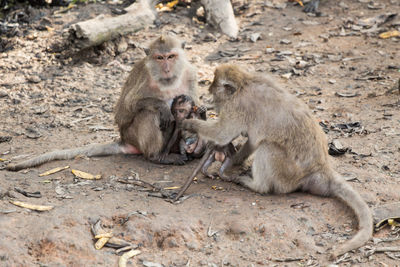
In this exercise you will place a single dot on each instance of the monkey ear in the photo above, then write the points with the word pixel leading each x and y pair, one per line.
pixel 147 51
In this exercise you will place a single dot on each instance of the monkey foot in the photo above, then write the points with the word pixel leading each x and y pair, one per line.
pixel 129 149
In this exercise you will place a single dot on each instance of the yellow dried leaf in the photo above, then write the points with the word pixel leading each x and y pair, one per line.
pixel 31 206
pixel 104 235
pixel 217 187
pixel 172 4
pixel 101 242
pixel 53 171
pixel 123 260
pixel 389 34
pixel 2 159
pixel 172 187
pixel 299 2
pixel 85 175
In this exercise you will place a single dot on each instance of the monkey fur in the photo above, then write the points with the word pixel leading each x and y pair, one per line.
pixel 289 147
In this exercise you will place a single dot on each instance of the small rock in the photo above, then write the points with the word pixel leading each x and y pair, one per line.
pixel 287 75
pixel 192 245
pixel 332 81
pixel 3 94
pixel 34 79
pixel 32 133
pixel 255 36
pixel 269 50
pixel 122 46
pixel 285 41
pixel 152 264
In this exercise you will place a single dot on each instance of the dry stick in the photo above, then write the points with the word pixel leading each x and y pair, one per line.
pixel 195 172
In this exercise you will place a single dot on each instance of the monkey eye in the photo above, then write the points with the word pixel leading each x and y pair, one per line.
pixel 172 56
pixel 160 57
pixel 181 110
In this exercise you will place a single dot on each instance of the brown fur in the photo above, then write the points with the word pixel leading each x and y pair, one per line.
pixel 289 147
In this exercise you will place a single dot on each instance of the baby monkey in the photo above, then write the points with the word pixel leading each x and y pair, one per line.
pixel 222 154
pixel 190 145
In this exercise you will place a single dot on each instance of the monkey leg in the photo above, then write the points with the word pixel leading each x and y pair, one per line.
pixel 225 165
pixel 243 153
pixel 312 7
pixel 144 133
pixel 272 172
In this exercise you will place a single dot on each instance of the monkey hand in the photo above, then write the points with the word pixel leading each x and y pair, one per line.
pixel 166 119
pixel 202 112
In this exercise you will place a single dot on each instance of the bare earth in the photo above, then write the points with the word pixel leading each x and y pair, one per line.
pixel 49 102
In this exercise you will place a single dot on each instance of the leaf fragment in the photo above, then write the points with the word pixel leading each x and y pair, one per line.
pixel 58 169
pixel 172 187
pixel 389 34
pixel 104 235
pixel 123 260
pixel 101 242
pixel 31 206
pixel 85 175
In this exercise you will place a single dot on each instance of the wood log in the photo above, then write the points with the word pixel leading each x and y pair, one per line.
pixel 100 29
pixel 219 13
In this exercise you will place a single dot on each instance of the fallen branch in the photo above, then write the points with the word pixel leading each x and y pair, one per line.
pixel 219 13
pixel 100 29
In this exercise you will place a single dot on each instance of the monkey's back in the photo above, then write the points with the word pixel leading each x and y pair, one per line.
pixel 276 116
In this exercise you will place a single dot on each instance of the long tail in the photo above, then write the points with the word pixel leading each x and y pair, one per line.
pixel 344 192
pixel 89 151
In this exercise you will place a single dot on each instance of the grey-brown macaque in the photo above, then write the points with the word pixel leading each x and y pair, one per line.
pixel 142 113
pixel 289 147
pixel 223 154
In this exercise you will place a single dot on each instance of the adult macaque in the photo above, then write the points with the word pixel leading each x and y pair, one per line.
pixel 142 113
pixel 289 147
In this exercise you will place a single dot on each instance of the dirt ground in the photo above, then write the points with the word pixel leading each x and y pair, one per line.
pixel 336 63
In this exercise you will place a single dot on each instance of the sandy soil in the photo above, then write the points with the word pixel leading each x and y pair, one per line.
pixel 50 101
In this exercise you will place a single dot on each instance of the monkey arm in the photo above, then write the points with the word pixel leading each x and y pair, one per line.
pixel 182 149
pixel 155 105
pixel 221 131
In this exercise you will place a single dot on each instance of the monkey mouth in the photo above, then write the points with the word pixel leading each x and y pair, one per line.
pixel 167 79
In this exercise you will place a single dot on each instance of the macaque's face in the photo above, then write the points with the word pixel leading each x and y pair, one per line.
pixel 182 111
pixel 191 141
pixel 166 63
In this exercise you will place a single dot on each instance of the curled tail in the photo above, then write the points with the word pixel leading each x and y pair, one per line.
pixel 89 151
pixel 344 192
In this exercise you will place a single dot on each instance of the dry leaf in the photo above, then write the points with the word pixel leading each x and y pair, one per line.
pixel 123 260
pixel 2 159
pixel 85 175
pixel 389 34
pixel 53 171
pixel 31 206
pixel 172 187
pixel 101 242
pixel 104 235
